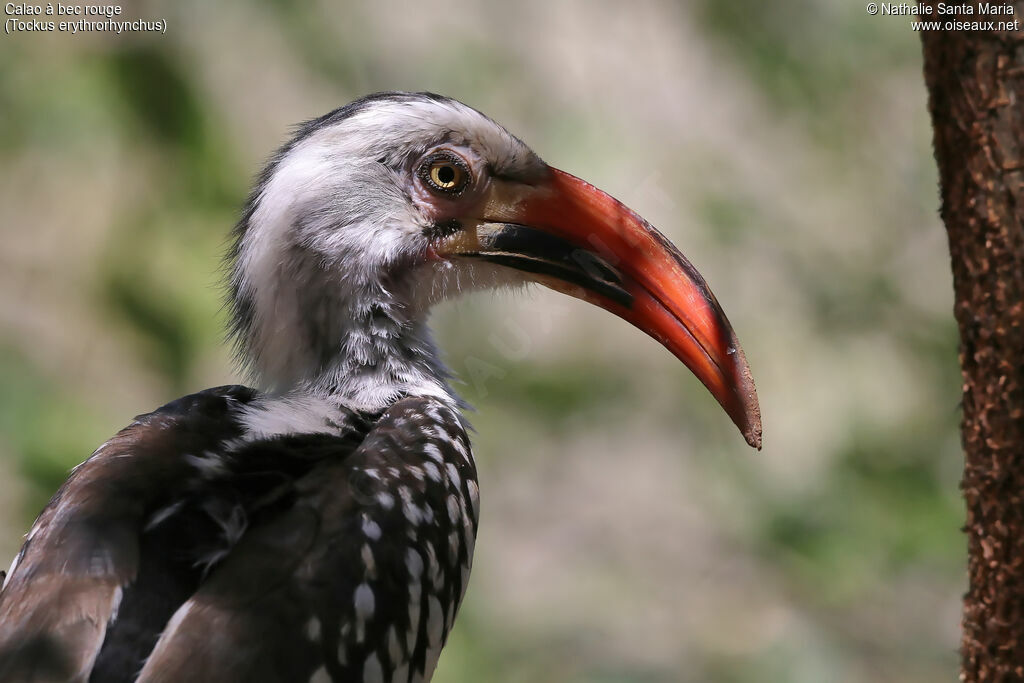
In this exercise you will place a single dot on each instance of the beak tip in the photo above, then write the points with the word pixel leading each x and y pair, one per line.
pixel 747 410
pixel 752 431
pixel 746 414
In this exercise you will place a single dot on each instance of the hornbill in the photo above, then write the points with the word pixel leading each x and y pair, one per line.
pixel 322 528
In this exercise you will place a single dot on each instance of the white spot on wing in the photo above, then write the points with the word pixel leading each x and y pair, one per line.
pixel 368 561
pixel 409 509
pixel 364 605
pixel 371 529
pixel 453 476
pixel 364 601
pixel 435 634
pixel 372 672
pixel 474 497
pixel 436 579
pixel 453 509
pixel 313 629
pixel 453 548
pixel 460 448
pixel 432 451
pixel 451 612
pixel 394 646
pixel 414 563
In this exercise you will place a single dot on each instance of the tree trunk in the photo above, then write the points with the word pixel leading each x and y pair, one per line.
pixel 976 85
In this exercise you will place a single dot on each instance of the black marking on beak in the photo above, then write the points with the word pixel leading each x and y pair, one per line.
pixel 534 251
pixel 442 229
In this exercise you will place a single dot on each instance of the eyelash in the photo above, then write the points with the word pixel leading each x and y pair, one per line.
pixel 446 157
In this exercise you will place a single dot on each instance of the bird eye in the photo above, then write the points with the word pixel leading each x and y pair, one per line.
pixel 445 173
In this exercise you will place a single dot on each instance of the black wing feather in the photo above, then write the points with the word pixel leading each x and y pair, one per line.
pixel 372 511
pixel 128 567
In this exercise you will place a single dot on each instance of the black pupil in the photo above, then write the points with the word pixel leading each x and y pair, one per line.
pixel 446 174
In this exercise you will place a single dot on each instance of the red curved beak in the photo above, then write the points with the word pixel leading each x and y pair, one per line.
pixel 667 298
pixel 573 238
pixel 671 300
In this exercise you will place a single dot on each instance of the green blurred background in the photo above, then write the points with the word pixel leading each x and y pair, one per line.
pixel 628 534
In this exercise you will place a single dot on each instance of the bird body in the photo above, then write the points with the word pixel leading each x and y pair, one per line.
pixel 322 528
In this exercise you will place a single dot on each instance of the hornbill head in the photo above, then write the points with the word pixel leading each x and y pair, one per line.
pixel 378 210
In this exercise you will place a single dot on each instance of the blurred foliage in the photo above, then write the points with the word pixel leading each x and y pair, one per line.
pixel 835 555
pixel 30 409
pixel 811 57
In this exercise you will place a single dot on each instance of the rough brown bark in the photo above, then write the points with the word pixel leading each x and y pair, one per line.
pixel 976 86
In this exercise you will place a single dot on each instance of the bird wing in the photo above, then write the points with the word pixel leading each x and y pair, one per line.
pixel 85 549
pixel 250 558
pixel 359 579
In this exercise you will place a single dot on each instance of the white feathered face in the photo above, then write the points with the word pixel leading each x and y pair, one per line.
pixel 367 192
pixel 381 208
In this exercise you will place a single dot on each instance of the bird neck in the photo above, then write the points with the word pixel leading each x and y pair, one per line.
pixel 358 344
pixel 376 354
